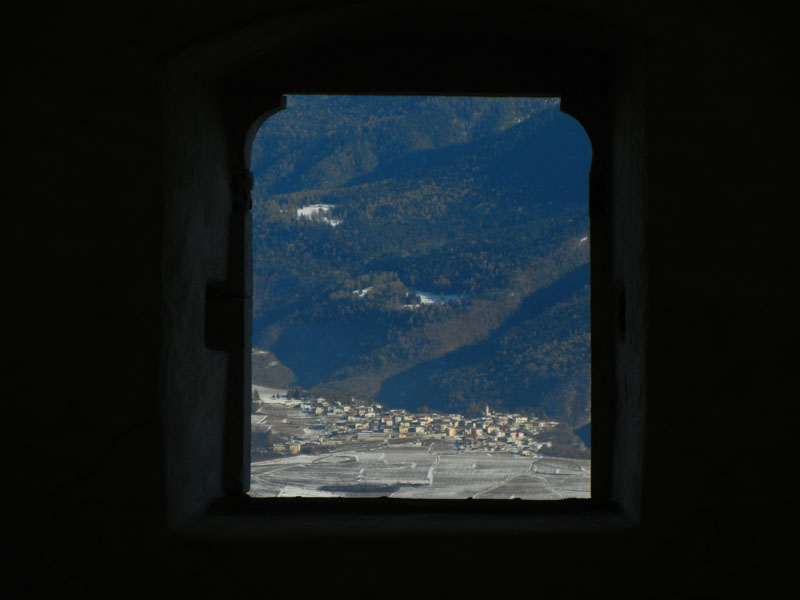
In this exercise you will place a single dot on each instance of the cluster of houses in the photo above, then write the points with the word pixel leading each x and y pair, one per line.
pixel 349 423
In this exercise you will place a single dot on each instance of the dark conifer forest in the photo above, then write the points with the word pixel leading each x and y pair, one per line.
pixel 424 252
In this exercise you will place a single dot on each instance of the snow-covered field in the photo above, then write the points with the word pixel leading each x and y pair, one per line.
pixel 421 472
pixel 433 298
pixel 271 395
pixel 424 297
pixel 310 211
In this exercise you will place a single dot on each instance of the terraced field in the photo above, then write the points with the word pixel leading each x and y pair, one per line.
pixel 374 470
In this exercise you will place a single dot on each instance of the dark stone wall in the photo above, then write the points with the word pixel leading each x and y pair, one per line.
pixel 116 427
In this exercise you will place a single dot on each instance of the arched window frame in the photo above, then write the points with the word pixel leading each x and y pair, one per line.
pixel 216 97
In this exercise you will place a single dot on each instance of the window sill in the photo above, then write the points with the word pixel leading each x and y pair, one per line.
pixel 309 519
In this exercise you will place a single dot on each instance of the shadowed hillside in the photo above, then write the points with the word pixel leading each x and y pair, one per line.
pixel 425 252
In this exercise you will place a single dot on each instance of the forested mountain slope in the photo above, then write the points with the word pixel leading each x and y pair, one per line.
pixel 425 251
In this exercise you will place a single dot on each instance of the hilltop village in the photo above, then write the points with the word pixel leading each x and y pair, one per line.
pixel 336 423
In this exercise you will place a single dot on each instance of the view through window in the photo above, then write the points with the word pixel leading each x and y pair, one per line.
pixel 421 299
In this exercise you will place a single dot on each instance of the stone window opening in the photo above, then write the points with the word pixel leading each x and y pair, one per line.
pixel 212 110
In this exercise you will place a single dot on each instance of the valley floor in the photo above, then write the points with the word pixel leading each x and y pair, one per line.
pixel 421 472
pixel 423 465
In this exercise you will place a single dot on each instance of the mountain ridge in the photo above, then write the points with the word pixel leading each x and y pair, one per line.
pixel 495 216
